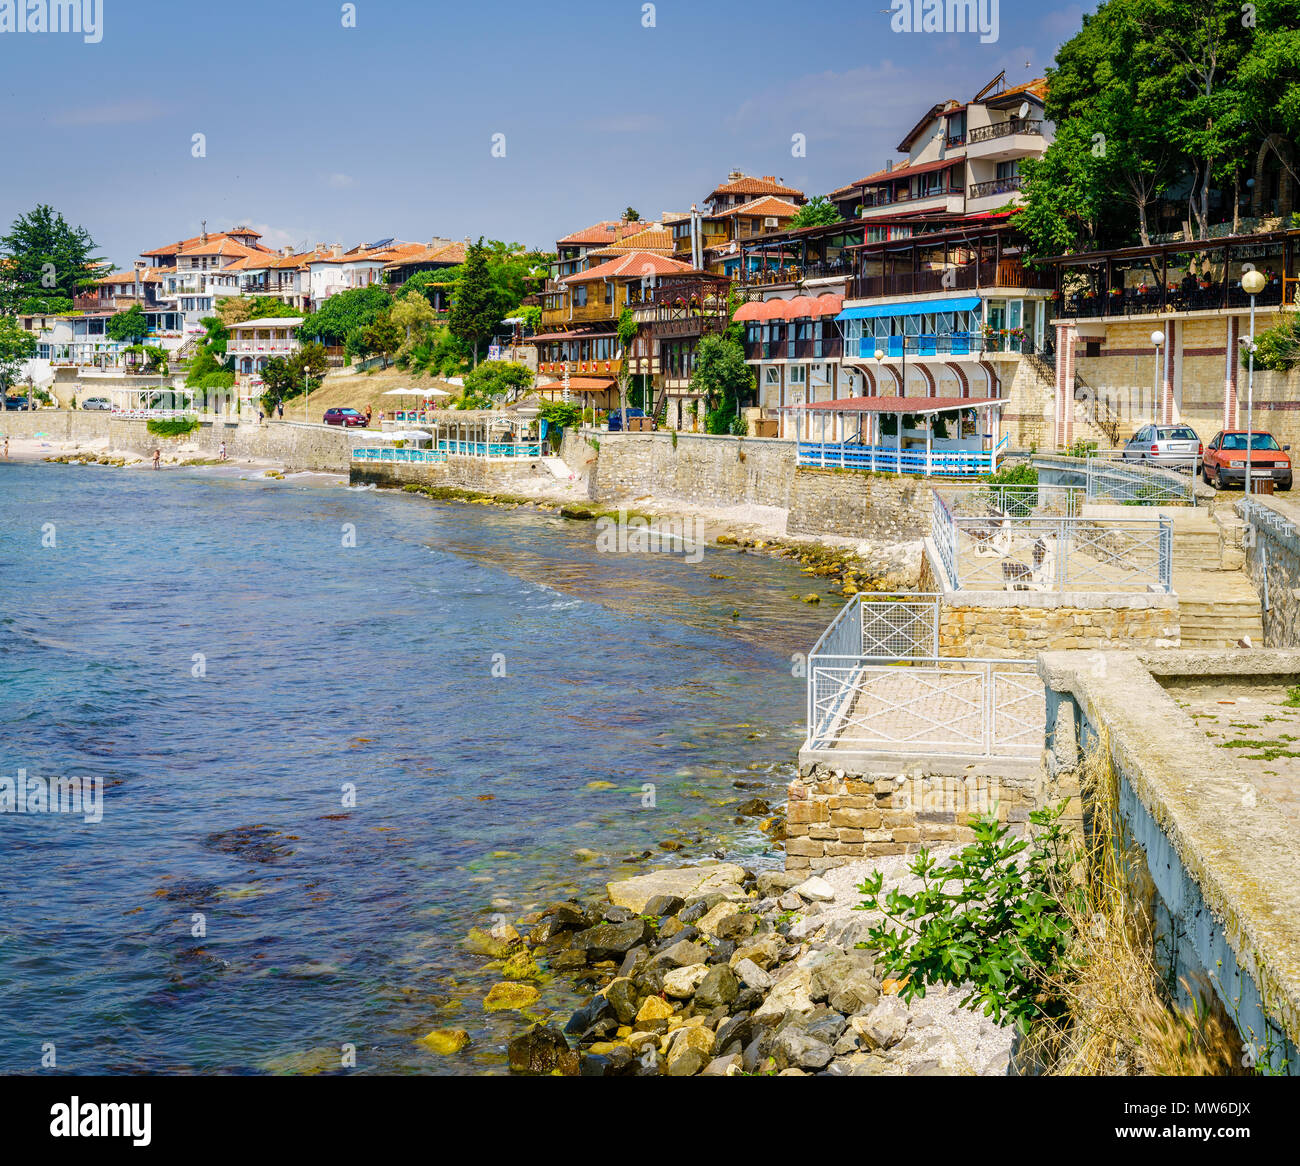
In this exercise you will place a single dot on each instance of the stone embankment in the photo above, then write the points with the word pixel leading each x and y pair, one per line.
pixel 719 971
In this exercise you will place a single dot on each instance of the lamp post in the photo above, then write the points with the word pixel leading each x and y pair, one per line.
pixel 1158 339
pixel 1252 283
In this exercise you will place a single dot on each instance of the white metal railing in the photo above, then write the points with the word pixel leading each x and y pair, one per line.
pixel 957 707
pixel 1110 477
pixel 1014 553
pixel 1015 501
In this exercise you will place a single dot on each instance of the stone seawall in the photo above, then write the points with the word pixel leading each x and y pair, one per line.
pixel 845 807
pixel 859 505
pixel 704 469
pixel 297 445
pixel 457 473
pixel 1273 563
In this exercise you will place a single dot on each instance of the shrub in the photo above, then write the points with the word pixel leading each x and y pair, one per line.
pixel 173 428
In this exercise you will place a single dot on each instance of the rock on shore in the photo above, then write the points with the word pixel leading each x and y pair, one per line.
pixel 718 971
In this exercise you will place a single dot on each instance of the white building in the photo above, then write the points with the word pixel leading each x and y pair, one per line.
pixel 252 343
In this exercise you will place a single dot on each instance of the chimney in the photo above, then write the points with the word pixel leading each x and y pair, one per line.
pixel 438 241
pixel 769 177
pixel 286 252
pixel 735 175
pixel 889 165
pixel 322 247
pixel 337 251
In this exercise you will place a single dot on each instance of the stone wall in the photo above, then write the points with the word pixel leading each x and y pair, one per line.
pixel 1273 563
pixel 460 473
pixel 843 809
pixel 1018 624
pixel 298 445
pixel 1211 860
pixel 704 469
pixel 859 505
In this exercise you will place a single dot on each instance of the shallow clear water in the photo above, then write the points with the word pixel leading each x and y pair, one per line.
pixel 323 666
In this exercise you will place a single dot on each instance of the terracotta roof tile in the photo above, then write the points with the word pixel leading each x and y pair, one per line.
pixel 636 264
pixel 750 185
pixel 767 207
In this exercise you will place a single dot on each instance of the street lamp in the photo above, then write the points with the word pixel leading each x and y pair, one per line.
pixel 1252 283
pixel 1157 338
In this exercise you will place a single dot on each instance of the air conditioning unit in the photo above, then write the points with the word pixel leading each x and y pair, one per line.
pixel 770 224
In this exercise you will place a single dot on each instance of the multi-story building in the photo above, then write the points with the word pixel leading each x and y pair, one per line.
pixel 573 251
pixel 333 270
pixel 578 345
pixel 962 158
pixel 252 343
pixel 740 209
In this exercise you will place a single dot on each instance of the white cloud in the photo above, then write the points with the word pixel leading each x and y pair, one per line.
pixel 340 181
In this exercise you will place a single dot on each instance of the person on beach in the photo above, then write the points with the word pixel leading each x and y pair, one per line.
pixel 260 416
pixel 279 409
pixel 6 447
pixel 157 458
pixel 222 453
pixel 367 415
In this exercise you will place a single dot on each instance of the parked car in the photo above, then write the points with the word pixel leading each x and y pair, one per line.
pixel 346 417
pixel 101 403
pixel 1170 445
pixel 17 403
pixel 1225 459
pixel 617 419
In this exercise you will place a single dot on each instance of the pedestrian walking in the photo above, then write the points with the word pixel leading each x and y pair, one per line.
pixel 6 447
pixel 157 458
pixel 222 454
pixel 279 409
pixel 260 416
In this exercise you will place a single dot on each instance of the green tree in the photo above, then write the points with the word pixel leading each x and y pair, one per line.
pixel 16 348
pixel 818 211
pixel 341 314
pixel 632 216
pixel 492 382
pixel 382 338
pixel 129 326
pixel 415 317
pixel 720 379
pixel 476 308
pixel 45 262
pixel 627 331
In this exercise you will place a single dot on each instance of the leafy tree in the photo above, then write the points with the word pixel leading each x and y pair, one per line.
pixel 818 211
pixel 16 348
pixel 476 308
pixel 492 382
pixel 382 338
pixel 285 377
pixel 720 378
pixel 356 308
pixel 415 317
pixel 131 325
pixel 627 330
pixel 44 306
pixel 44 261
pixel 632 216
pixel 239 309
pixel 560 414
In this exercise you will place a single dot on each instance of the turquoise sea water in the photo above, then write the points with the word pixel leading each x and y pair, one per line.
pixel 210 650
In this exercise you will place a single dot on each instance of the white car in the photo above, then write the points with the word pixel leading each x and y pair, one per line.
pixel 101 403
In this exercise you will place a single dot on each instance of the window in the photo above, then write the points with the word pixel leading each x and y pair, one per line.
pixel 1008 169
pixel 771 375
pixel 580 296
pixel 798 374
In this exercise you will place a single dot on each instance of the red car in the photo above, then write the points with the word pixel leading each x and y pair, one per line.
pixel 1224 463
pixel 345 417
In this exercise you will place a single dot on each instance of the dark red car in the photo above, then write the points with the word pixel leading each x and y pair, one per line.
pixel 345 417
pixel 1224 462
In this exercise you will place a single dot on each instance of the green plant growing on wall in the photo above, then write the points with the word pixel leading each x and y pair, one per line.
pixel 993 917
pixel 177 427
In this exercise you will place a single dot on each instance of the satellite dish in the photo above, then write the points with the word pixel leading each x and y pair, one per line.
pixel 1023 111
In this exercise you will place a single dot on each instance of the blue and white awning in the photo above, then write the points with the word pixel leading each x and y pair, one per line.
pixel 916 307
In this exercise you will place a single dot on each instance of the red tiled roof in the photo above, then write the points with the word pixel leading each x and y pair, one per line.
pixel 634 265
pixel 652 237
pixel 451 254
pixel 604 232
pixel 747 185
pixel 148 275
pixel 767 207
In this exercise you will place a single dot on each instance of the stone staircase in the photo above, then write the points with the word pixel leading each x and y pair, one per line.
pixel 1218 608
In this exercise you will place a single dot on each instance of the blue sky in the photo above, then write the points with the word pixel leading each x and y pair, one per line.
pixel 320 133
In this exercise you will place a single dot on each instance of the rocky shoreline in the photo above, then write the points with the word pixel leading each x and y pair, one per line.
pixel 715 970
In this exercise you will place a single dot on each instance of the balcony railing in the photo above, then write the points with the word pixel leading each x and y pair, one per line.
pixel 799 273
pixel 1009 273
pixel 1203 297
pixel 1004 129
pixel 828 348
pixel 890 198
pixel 1007 185
pixel 948 344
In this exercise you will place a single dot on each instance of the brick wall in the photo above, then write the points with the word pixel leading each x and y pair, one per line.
pixel 836 815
